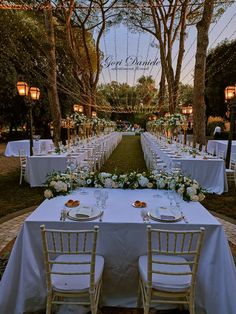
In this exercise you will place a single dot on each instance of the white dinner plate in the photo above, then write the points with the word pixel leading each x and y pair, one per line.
pixel 165 214
pixel 84 213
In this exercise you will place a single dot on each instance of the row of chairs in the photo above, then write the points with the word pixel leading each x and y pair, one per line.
pixel 167 273
pixel 96 154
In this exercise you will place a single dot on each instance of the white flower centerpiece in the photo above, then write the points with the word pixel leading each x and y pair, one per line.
pixel 61 184
pixel 58 183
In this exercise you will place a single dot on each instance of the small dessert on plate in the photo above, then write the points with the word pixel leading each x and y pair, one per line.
pixel 139 204
pixel 71 203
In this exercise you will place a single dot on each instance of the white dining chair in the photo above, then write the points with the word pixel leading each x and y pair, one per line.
pixel 23 164
pixel 73 269
pixel 167 274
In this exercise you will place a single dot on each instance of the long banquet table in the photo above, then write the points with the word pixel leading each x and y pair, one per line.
pixel 13 147
pixel 216 146
pixel 121 240
pixel 209 172
pixel 38 167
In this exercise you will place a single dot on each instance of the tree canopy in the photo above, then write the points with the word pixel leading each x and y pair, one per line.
pixel 220 73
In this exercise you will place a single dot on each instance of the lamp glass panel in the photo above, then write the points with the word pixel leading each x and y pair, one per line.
pixel 22 88
pixel 230 92
pixel 34 93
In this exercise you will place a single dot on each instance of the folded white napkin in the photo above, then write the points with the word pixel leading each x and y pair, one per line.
pixel 84 211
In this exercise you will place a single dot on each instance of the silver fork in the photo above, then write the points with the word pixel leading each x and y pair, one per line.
pixel 144 215
pixel 184 217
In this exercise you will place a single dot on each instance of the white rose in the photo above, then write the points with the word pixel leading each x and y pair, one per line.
pixel 60 186
pixel 52 183
pixel 194 198
pixel 48 194
pixel 108 183
pixel 114 177
pixel 150 185
pixel 115 185
pixel 89 181
pixel 162 183
pixel 143 181
pixel 191 191
pixel 201 197
pixel 181 190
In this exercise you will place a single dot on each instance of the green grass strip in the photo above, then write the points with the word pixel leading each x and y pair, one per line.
pixel 127 157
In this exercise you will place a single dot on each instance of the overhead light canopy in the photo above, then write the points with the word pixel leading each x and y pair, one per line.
pixel 230 92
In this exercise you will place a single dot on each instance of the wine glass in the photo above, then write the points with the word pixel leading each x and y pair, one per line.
pixel 104 197
pixel 97 195
pixel 170 196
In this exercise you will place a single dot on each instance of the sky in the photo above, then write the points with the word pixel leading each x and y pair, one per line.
pixel 119 43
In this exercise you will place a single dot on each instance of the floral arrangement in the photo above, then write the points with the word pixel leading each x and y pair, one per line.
pixel 58 183
pixel 175 120
pixel 78 118
pixel 61 184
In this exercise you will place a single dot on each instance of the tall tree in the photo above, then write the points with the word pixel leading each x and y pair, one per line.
pixel 91 18
pixel 52 74
pixel 166 21
pixel 199 106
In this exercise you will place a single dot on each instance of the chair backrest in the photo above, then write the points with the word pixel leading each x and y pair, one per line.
pixel 67 244
pixel 165 243
pixel 23 157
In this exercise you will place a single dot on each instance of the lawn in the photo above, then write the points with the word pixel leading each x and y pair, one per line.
pixel 126 157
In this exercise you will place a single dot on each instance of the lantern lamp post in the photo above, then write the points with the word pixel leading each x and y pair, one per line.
pixel 78 108
pixel 30 94
pixel 230 98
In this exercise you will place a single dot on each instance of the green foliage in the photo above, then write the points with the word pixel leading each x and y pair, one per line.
pixel 220 72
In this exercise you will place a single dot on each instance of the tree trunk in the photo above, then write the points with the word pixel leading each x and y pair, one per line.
pixel 52 76
pixel 199 106
pixel 162 90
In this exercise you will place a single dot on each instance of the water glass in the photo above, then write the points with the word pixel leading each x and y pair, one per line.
pixel 97 195
pixel 104 197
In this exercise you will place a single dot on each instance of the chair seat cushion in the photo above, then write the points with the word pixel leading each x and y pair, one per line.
pixel 72 282
pixel 229 171
pixel 171 283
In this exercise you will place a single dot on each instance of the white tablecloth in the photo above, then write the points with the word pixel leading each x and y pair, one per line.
pixel 220 145
pixel 38 167
pixel 121 240
pixel 13 147
pixel 210 173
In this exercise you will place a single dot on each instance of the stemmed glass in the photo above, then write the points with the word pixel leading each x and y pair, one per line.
pixel 104 197
pixel 171 197
pixel 97 195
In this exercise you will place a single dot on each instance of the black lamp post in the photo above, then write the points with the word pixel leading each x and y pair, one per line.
pixel 230 97
pixel 30 93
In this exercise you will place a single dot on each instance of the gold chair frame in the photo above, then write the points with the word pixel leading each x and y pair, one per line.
pixel 58 245
pixel 173 243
